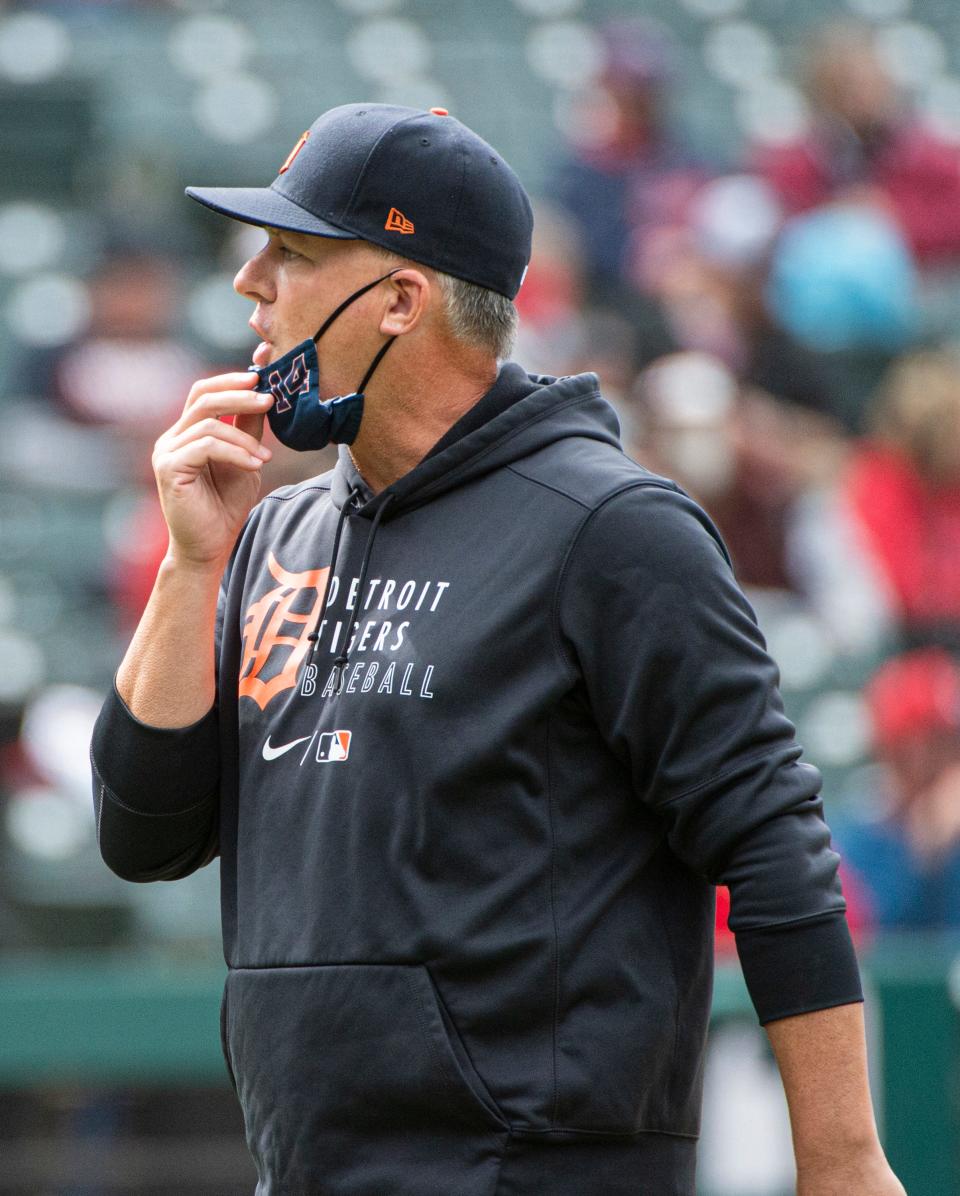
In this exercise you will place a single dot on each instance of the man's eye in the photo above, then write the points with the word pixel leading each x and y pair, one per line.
pixel 289 253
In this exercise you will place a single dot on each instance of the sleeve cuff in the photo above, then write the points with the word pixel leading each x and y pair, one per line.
pixel 156 770
pixel 798 967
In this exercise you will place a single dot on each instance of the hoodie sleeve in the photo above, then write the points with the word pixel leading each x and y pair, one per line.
pixel 679 679
pixel 156 789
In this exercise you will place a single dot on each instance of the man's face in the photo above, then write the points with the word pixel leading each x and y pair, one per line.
pixel 296 281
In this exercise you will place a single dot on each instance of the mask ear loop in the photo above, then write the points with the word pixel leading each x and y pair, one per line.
pixel 383 349
pixel 349 299
pixel 382 352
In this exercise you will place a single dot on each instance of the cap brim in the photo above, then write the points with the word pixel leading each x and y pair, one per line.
pixel 264 206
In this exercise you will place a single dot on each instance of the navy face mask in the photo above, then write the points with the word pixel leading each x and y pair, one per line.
pixel 298 417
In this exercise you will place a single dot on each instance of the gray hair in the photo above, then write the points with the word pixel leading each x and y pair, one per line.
pixel 479 316
pixel 475 315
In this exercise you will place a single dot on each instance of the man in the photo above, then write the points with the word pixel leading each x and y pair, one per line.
pixel 475 721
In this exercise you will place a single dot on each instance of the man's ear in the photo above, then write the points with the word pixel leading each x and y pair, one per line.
pixel 408 298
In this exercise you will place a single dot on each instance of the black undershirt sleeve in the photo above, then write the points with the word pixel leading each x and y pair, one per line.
pixel 155 793
pixel 799 967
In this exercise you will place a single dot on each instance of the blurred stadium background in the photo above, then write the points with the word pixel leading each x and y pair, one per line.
pixel 748 224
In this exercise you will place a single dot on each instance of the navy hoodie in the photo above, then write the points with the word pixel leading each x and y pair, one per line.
pixel 468 837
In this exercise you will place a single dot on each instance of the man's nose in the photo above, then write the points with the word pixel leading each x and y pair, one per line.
pixel 254 279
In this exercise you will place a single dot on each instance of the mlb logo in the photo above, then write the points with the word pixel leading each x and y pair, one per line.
pixel 333 746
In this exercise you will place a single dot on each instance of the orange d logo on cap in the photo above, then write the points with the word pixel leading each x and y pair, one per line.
pixel 293 153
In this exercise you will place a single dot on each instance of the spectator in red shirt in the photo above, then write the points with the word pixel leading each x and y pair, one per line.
pixel 864 143
pixel 902 485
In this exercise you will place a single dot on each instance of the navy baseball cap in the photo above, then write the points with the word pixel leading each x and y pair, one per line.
pixel 419 183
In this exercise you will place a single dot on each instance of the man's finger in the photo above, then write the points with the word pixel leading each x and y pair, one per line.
pixel 225 431
pixel 220 403
pixel 193 456
pixel 239 380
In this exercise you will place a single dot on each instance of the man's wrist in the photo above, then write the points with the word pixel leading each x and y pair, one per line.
pixel 862 1171
pixel 177 562
pixel 842 1150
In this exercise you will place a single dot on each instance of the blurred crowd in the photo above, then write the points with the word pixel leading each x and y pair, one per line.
pixel 763 334
pixel 769 337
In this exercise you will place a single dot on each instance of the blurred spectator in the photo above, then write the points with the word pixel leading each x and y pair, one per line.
pixel 780 305
pixel 743 454
pixel 842 278
pixel 712 287
pixel 562 333
pixel 842 287
pixel 628 177
pixel 551 299
pixel 865 145
pixel 902 486
pixel 129 371
pixel 813 316
pixel 687 403
pixel 828 557
pixel 903 846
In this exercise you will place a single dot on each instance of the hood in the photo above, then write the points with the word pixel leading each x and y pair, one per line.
pixel 550 410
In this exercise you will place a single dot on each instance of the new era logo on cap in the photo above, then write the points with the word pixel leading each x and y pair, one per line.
pixel 397 222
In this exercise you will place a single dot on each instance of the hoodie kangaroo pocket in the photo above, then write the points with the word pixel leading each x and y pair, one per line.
pixel 350 1082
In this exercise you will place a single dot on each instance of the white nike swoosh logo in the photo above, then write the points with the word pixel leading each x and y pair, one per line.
pixel 271 753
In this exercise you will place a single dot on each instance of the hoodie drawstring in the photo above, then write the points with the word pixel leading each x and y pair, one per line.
pixel 314 637
pixel 344 655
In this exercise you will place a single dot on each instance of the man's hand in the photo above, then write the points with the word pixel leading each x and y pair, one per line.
pixel 822 1058
pixel 208 470
pixel 208 475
